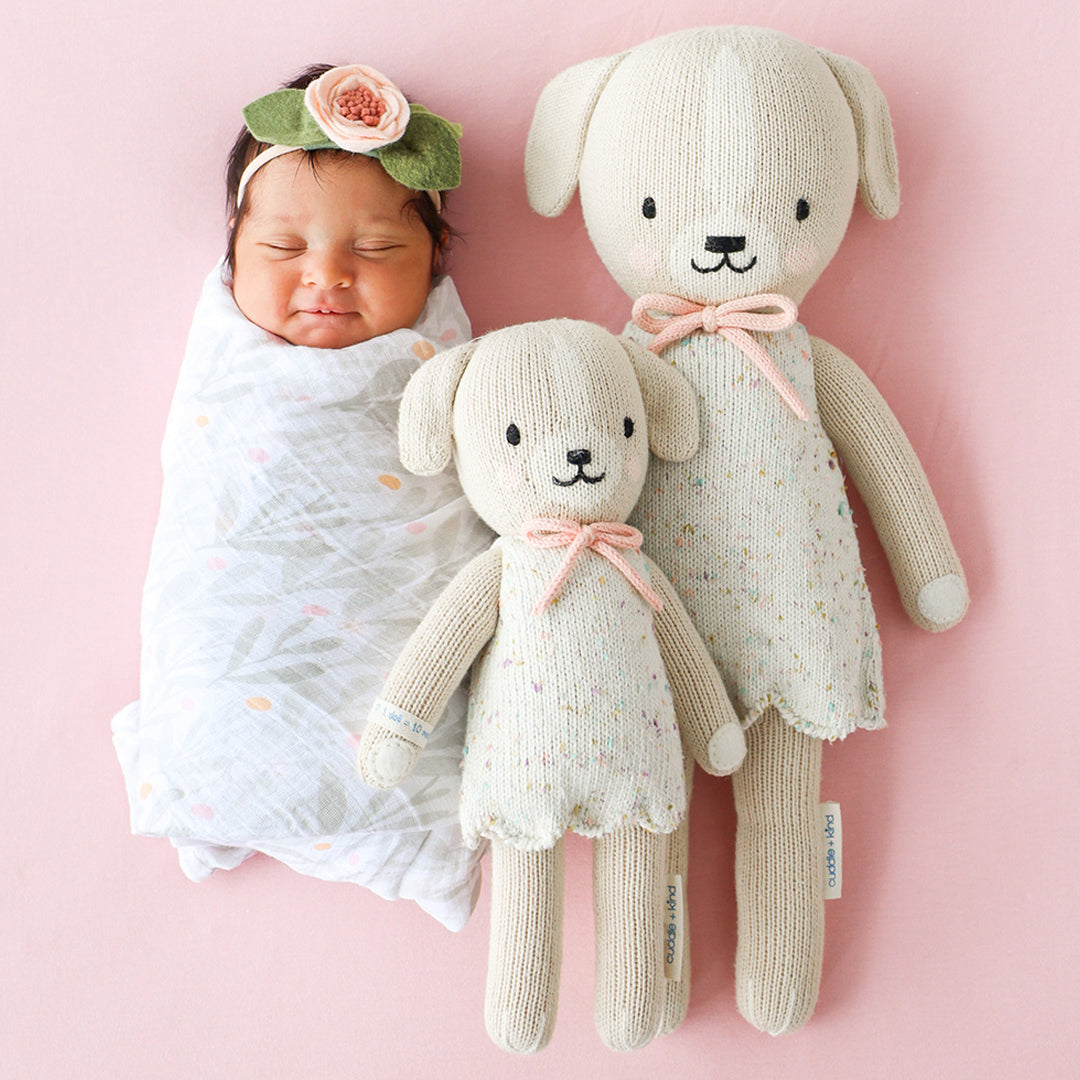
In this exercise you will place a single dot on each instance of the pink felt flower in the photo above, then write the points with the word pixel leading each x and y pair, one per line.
pixel 357 107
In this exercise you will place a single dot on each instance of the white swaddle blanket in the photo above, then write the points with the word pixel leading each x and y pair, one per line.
pixel 292 559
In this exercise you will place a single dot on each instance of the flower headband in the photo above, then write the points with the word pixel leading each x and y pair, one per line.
pixel 358 109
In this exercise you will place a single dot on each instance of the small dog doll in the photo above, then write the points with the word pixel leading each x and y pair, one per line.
pixel 590 678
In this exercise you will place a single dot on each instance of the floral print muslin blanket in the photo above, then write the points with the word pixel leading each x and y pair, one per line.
pixel 292 559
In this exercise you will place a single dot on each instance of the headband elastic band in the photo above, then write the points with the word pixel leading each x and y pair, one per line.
pixel 257 162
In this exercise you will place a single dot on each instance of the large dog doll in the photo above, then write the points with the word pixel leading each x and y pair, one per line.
pixel 718 168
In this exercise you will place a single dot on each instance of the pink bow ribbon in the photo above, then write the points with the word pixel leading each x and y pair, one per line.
pixel 603 537
pixel 732 320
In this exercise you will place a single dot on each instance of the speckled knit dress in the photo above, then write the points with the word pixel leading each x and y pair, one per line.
pixel 571 721
pixel 756 534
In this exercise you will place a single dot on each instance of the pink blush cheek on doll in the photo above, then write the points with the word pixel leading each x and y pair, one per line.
pixel 800 258
pixel 645 260
pixel 634 467
pixel 510 476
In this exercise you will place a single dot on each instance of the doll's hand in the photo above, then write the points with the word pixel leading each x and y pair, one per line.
pixel 727 748
pixel 384 759
pixel 943 601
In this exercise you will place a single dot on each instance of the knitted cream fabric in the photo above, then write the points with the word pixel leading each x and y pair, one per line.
pixel 709 737
pixel 677 991
pixel 571 723
pixel 452 633
pixel 879 179
pixel 525 953
pixel 724 129
pixel 756 535
pixel 779 879
pixel 628 865
pixel 565 386
pixel 883 466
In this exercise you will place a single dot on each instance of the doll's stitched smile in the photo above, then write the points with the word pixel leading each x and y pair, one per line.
pixel 580 458
pixel 725 246
pixel 580 476
pixel 725 261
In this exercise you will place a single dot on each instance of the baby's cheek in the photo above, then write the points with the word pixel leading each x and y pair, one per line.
pixel 800 258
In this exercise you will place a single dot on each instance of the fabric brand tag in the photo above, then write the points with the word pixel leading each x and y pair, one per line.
pixel 400 722
pixel 673 923
pixel 834 849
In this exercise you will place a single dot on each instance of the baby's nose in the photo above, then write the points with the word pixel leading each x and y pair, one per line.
pixel 327 270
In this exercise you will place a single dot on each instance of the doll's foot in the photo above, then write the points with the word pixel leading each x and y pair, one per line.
pixel 772 1012
pixel 517 1026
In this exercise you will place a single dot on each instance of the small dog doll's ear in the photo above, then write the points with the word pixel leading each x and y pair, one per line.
pixel 670 404
pixel 879 179
pixel 557 135
pixel 425 421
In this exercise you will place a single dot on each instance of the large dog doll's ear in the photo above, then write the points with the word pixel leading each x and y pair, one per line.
pixel 425 421
pixel 557 135
pixel 879 180
pixel 671 406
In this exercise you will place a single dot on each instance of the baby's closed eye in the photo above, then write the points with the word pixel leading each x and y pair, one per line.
pixel 376 247
pixel 285 245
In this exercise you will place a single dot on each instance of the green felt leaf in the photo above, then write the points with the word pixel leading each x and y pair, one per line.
pixel 283 118
pixel 414 108
pixel 426 157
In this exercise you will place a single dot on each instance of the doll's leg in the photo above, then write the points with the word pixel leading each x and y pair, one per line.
pixel 525 953
pixel 627 871
pixel 677 991
pixel 779 884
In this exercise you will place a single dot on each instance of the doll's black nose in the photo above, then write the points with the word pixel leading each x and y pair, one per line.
pixel 724 245
pixel 578 457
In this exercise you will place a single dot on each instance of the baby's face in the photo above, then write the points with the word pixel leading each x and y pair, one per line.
pixel 330 259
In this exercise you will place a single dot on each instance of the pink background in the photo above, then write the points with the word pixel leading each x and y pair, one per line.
pixel 954 952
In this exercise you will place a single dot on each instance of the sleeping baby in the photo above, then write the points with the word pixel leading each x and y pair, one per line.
pixel 292 554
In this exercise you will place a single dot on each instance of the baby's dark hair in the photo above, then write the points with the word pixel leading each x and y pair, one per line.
pixel 247 147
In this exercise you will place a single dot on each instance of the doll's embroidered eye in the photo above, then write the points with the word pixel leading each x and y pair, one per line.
pixel 802 210
pixel 513 436
pixel 628 426
pixel 648 207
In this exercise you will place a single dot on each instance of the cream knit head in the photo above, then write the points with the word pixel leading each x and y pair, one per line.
pixel 736 171
pixel 551 419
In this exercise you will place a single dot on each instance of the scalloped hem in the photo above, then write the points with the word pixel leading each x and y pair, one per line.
pixel 533 841
pixel 875 721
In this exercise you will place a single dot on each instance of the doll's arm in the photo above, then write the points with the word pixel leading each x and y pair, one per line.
pixel 883 466
pixel 433 662
pixel 707 721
